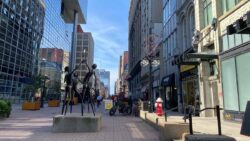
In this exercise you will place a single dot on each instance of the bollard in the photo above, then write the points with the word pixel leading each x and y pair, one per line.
pixel 190 124
pixel 218 119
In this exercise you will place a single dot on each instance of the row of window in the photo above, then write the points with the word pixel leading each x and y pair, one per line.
pixel 169 45
pixel 230 41
pixel 168 9
pixel 226 5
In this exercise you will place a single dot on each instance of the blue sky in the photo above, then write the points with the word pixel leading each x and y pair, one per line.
pixel 108 22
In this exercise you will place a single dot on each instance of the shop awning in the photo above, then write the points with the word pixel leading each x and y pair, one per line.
pixel 205 56
pixel 168 80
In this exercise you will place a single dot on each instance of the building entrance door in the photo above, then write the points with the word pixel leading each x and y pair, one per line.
pixel 190 92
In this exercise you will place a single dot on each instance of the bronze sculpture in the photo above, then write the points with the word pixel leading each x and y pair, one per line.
pixel 71 87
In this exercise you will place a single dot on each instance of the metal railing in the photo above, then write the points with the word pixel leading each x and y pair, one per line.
pixel 217 108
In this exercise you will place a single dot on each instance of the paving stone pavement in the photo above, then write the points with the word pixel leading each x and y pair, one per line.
pixel 37 125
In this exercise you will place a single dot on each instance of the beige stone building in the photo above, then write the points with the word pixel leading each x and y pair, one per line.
pixel 223 72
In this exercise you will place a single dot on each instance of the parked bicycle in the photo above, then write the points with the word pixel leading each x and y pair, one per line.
pixel 122 107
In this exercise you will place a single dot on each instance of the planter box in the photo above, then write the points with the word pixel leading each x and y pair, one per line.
pixel 31 106
pixel 54 103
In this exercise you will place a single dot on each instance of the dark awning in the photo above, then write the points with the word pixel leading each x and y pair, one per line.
pixel 240 26
pixel 205 56
pixel 168 80
pixel 196 63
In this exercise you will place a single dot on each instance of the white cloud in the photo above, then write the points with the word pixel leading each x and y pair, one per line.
pixel 110 42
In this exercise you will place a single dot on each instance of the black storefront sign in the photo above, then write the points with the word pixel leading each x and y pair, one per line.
pixel 168 80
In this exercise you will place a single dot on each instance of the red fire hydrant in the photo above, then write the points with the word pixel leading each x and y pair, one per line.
pixel 158 106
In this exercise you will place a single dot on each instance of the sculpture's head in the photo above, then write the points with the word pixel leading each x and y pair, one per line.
pixel 66 69
pixel 94 66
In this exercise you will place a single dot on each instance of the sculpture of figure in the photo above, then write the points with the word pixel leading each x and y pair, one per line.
pixel 71 84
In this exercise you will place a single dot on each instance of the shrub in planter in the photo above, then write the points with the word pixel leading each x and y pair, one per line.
pixel 5 108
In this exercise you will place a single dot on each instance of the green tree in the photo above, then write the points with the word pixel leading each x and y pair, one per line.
pixel 37 83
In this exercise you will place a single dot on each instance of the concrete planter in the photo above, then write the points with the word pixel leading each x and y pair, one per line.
pixel 31 106
pixel 54 103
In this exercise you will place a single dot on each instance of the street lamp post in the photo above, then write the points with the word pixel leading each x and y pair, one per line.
pixel 150 60
pixel 151 86
pixel 152 43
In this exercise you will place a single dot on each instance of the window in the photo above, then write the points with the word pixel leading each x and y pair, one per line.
pixel 243 70
pixel 213 68
pixel 229 84
pixel 191 26
pixel 231 41
pixel 228 4
pixel 207 12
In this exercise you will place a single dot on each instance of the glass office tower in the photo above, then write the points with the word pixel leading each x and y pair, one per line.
pixel 21 31
pixel 25 27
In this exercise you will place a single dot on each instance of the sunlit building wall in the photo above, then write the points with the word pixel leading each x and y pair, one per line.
pixel 84 51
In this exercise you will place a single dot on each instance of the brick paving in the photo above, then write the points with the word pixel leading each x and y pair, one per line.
pixel 37 125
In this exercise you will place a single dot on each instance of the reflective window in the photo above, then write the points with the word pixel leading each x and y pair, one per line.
pixel 243 71
pixel 228 4
pixel 231 41
pixel 207 12
pixel 229 85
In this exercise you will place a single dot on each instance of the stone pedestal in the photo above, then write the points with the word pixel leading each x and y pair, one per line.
pixel 72 123
pixel 206 137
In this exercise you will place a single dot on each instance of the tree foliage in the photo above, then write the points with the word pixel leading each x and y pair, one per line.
pixel 37 83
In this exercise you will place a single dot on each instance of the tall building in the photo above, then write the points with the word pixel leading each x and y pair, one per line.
pixel 84 51
pixel 135 48
pixel 50 65
pixel 54 55
pixel 121 85
pixel 169 74
pixel 21 31
pixel 25 27
pixel 105 79
pixel 145 24
pixel 223 75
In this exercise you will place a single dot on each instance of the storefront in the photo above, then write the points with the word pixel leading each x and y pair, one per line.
pixel 169 91
pixel 190 86
pixel 235 70
pixel 156 92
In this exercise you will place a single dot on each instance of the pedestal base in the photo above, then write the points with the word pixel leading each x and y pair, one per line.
pixel 76 123
pixel 206 137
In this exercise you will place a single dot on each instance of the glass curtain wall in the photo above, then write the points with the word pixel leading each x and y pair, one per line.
pixel 21 30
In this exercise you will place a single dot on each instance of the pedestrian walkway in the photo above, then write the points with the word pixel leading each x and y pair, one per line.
pixel 201 125
pixel 36 126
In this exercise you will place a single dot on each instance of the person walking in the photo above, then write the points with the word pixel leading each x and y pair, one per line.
pixel 99 99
